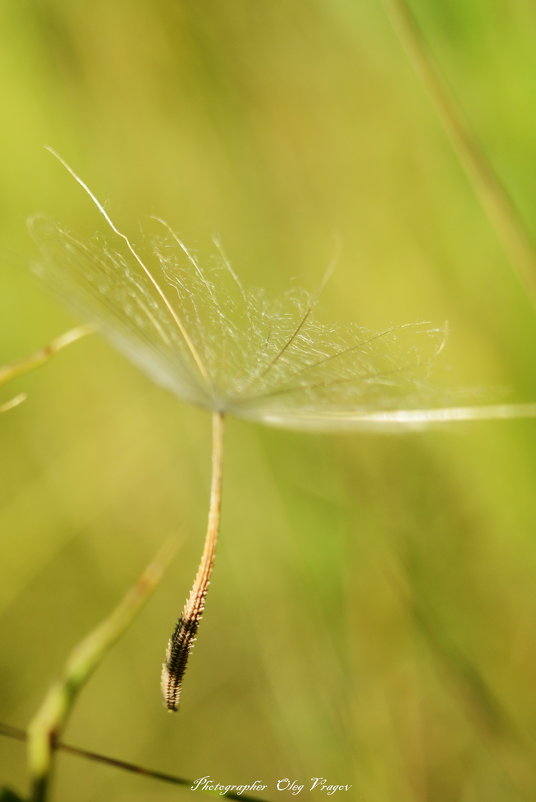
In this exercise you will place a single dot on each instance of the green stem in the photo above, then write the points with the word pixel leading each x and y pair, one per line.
pixel 46 727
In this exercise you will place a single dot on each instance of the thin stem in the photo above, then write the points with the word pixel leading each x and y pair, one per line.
pixel 183 638
pixel 39 357
pixel 20 735
pixel 13 402
pixel 493 195
pixel 47 725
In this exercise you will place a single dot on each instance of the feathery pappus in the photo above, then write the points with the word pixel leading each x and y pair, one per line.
pixel 198 332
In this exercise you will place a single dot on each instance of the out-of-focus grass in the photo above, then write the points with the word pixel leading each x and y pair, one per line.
pixel 46 727
pixel 372 606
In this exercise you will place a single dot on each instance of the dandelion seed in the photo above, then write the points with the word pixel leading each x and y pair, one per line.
pixel 183 637
pixel 202 335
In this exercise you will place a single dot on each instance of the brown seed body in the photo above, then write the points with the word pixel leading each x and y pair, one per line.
pixel 184 635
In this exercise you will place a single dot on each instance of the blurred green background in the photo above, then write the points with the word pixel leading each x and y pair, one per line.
pixel 371 616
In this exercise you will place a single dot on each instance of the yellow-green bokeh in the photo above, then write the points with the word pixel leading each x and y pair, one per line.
pixel 371 613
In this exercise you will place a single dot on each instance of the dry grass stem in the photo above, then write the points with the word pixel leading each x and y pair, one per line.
pixel 38 358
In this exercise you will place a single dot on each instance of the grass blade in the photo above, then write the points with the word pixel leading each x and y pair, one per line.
pixel 46 727
pixel 491 192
